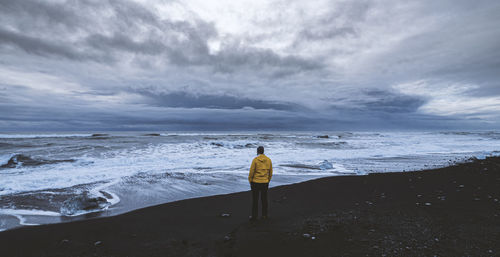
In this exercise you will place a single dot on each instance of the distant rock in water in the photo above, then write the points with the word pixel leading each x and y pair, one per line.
pixel 152 135
pixel 325 136
pixel 19 160
pixel 83 203
pixel 99 135
pixel 325 165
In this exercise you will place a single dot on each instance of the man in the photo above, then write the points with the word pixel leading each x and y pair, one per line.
pixel 260 174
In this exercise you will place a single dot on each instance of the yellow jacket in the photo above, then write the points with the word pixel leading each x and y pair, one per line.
pixel 261 169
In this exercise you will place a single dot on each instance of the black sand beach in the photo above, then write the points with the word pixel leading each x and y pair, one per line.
pixel 453 211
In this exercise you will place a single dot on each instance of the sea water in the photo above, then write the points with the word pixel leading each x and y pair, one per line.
pixel 57 177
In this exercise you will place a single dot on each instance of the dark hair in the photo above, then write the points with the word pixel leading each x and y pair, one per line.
pixel 260 150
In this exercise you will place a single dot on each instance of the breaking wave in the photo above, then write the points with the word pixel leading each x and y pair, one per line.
pixel 21 160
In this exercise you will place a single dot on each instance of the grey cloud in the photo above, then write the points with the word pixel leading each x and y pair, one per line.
pixel 45 13
pixel 462 46
pixel 103 31
pixel 137 118
pixel 122 42
pixel 326 33
pixel 190 100
pixel 182 111
pixel 37 46
pixel 112 48
pixel 390 102
pixel 340 21
pixel 233 57
pixel 377 102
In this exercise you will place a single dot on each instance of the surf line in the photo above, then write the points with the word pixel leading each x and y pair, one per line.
pixel 20 213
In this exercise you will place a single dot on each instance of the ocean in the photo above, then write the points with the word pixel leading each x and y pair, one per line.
pixel 59 177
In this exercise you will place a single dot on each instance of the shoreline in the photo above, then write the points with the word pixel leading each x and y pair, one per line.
pixel 36 218
pixel 444 211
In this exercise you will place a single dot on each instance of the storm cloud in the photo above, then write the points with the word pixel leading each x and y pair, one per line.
pixel 191 65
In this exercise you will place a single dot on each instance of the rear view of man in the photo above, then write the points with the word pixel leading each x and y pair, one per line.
pixel 260 174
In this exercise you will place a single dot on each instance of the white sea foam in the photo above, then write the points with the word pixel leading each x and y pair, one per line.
pixel 20 215
pixel 231 156
pixel 4 158
pixel 32 212
pixel 97 191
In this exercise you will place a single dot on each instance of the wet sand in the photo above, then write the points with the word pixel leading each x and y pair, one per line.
pixel 453 211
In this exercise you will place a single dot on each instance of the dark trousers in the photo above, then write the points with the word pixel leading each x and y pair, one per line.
pixel 259 188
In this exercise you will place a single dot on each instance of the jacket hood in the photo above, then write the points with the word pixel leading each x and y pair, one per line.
pixel 262 157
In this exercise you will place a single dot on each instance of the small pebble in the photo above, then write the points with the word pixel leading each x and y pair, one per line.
pixel 313 237
pixel 428 204
pixel 461 186
pixel 225 215
pixel 436 239
pixel 306 235
pixel 227 238
pixel 97 243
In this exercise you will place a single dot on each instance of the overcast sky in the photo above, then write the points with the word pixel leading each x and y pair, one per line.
pixel 211 65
